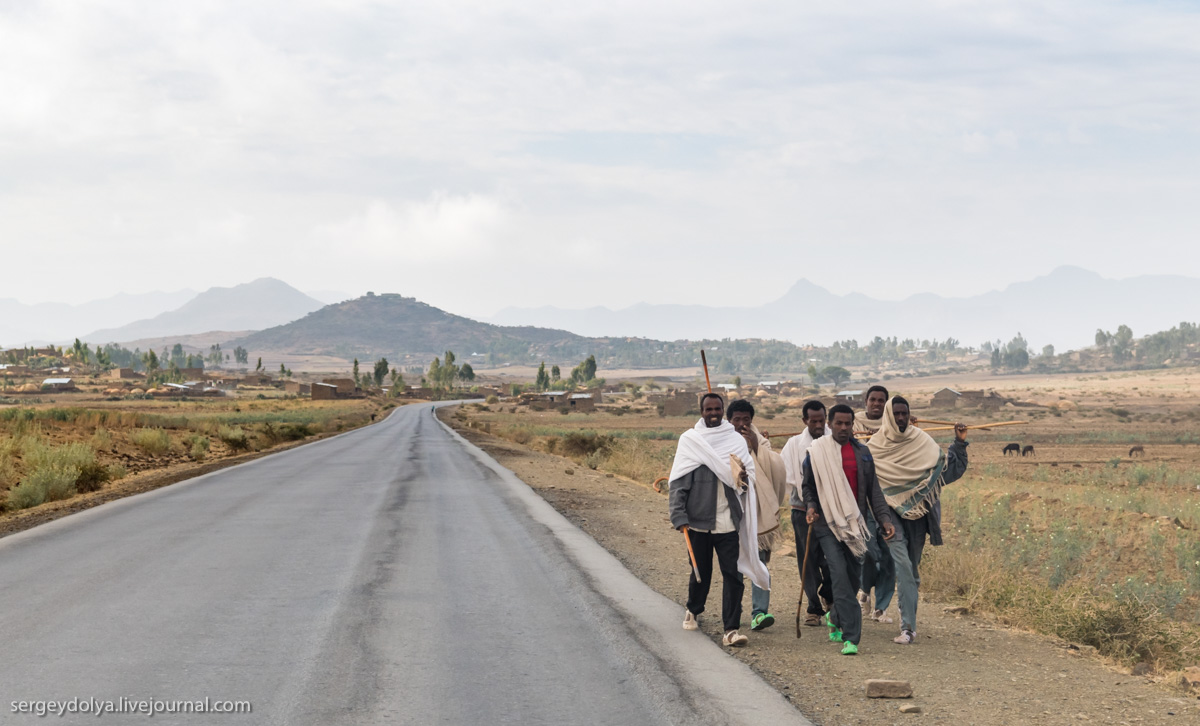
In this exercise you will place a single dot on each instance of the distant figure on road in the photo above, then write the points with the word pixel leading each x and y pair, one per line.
pixel 770 487
pixel 879 569
pixel 715 506
pixel 839 486
pixel 818 584
pixel 912 470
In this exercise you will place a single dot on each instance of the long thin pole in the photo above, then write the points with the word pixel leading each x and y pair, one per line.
pixel 686 537
pixel 803 574
pixel 691 553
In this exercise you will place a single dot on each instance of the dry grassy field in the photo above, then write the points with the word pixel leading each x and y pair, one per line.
pixel 1079 540
pixel 89 447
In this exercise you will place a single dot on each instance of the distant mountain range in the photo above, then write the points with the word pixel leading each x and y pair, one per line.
pixel 263 303
pixel 1063 308
pixel 22 324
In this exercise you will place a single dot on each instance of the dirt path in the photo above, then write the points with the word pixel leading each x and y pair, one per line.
pixel 965 669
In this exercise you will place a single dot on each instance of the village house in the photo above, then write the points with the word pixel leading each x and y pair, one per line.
pixel 582 402
pixel 344 386
pixel 58 384
pixel 296 387
pixel 945 398
pixel 324 391
pixel 125 374
pixel 850 398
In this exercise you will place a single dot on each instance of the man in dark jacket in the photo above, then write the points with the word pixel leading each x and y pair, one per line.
pixel 837 499
pixel 709 514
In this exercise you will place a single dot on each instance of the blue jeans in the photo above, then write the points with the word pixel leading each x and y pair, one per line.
pixel 760 600
pixel 907 547
pixel 879 567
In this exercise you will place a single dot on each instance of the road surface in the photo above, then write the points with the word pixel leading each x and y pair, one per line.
pixel 394 574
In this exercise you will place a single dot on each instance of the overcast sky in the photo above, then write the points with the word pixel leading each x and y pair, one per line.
pixel 479 155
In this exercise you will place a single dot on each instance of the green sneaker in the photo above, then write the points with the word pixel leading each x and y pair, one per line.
pixel 835 636
pixel 849 649
pixel 826 620
pixel 762 621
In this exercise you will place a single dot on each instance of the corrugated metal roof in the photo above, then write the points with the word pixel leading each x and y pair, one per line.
pixel 849 393
pixel 55 381
pixel 577 396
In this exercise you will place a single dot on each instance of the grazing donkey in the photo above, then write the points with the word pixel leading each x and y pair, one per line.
pixel 1028 451
pixel 1014 448
pixel 1139 449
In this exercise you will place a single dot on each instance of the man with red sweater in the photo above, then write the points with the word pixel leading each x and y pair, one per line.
pixel 838 487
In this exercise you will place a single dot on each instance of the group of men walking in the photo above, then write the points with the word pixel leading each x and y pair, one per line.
pixel 862 510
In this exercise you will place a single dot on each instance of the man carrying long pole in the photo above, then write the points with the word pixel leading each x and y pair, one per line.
pixel 712 496
pixel 912 470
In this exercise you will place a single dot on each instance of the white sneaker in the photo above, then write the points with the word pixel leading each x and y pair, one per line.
pixel 689 621
pixel 881 616
pixel 734 639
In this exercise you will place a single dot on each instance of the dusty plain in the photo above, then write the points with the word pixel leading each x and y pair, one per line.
pixel 1078 528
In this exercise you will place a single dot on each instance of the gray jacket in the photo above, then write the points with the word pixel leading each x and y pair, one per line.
pixel 869 493
pixel 693 501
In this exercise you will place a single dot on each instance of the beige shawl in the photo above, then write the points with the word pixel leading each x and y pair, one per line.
pixel 864 425
pixel 838 505
pixel 770 488
pixel 909 466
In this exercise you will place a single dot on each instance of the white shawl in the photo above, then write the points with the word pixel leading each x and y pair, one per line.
pixel 711 447
pixel 793 455
pixel 838 505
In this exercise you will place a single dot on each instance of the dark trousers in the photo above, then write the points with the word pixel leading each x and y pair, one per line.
pixel 816 579
pixel 846 570
pixel 726 547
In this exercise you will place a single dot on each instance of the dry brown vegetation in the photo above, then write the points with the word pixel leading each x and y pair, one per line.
pixel 53 450
pixel 1077 541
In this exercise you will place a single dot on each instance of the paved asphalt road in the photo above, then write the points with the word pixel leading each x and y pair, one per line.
pixel 394 574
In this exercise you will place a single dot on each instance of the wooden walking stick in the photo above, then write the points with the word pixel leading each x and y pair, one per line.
pixel 803 574
pixel 704 360
pixel 691 553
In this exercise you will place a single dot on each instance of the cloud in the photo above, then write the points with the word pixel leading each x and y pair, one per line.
pixel 442 228
pixel 665 133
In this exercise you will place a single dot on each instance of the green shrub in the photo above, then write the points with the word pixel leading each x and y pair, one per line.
pixel 47 484
pixel 102 440
pixel 595 459
pixel 235 438
pixel 493 399
pixel 91 477
pixel 199 448
pixel 154 442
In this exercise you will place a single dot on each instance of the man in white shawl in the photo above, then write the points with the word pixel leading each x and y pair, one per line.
pixel 770 487
pixel 912 470
pixel 818 583
pixel 712 501
pixel 839 486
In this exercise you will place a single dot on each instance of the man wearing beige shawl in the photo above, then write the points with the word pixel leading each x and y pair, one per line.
pixel 770 489
pixel 912 470
pixel 839 486
pixel 879 568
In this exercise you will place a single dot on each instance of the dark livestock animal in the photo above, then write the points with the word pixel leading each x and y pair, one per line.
pixel 1014 448
pixel 1139 449
pixel 1027 451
